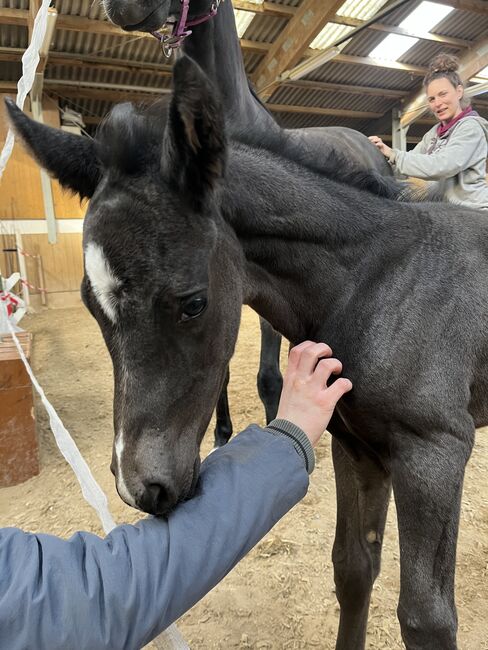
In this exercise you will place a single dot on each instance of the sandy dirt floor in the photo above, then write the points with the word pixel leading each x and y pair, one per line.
pixel 282 595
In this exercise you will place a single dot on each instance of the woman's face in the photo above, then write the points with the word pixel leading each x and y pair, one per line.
pixel 444 99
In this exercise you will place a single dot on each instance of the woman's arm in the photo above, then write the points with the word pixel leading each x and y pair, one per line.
pixel 462 149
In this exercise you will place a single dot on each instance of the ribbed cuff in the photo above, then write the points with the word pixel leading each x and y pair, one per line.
pixel 299 439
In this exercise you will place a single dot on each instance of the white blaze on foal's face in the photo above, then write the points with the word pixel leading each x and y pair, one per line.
pixel 102 279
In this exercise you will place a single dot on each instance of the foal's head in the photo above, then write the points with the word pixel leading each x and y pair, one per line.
pixel 164 290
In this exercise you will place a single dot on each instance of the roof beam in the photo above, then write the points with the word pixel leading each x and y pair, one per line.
pixel 291 45
pixel 92 90
pixel 265 8
pixel 380 63
pixel 318 110
pixel 425 36
pixel 370 91
pixel 475 59
pixel 70 59
pixel 20 17
pixel 394 29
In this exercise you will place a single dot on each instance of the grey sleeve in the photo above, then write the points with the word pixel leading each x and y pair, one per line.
pixel 462 150
pixel 119 592
pixel 300 440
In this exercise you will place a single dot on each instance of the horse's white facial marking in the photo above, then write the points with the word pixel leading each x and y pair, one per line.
pixel 102 279
pixel 121 485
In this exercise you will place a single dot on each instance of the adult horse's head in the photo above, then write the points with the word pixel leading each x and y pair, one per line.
pixel 150 15
pixel 164 290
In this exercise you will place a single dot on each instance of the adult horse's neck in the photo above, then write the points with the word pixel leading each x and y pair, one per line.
pixel 215 46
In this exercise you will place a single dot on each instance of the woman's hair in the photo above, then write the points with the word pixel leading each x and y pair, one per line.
pixel 445 66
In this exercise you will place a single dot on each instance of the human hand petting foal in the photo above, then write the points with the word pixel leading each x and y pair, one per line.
pixel 379 144
pixel 306 400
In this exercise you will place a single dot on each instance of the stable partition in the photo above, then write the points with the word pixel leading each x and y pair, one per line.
pixel 57 267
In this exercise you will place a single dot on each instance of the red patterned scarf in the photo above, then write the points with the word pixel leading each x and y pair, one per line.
pixel 444 128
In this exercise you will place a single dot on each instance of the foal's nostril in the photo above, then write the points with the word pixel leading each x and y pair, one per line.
pixel 157 499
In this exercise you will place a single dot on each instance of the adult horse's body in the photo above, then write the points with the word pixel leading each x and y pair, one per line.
pixel 215 46
pixel 174 245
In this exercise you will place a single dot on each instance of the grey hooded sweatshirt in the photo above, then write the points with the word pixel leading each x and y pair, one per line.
pixel 457 159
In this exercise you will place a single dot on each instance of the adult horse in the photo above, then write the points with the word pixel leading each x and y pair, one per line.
pixel 183 228
pixel 214 44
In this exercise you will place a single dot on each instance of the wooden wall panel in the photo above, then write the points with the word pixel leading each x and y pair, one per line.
pixel 62 262
pixel 21 195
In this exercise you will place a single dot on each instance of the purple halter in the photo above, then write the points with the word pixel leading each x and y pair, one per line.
pixel 180 31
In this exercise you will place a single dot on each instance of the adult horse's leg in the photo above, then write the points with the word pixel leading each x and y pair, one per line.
pixel 363 491
pixel 427 482
pixel 223 423
pixel 270 381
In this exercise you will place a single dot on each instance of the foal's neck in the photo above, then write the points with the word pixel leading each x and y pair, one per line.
pixel 304 237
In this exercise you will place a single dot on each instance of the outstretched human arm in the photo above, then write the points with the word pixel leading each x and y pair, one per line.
pixel 121 591
pixel 465 147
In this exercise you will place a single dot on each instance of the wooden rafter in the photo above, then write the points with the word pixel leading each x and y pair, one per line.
pixel 393 29
pixel 88 61
pixel 323 86
pixel 291 45
pixel 318 110
pixel 265 8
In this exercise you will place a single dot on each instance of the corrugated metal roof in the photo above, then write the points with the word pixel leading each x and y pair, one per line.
pixel 331 33
pixel 14 4
pixel 361 75
pixel 463 24
pixel 13 36
pixel 86 8
pixel 330 99
pixel 362 9
pixel 263 28
pixel 266 29
pixel 11 71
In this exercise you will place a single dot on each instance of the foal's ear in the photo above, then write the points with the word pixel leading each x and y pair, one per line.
pixel 68 157
pixel 195 145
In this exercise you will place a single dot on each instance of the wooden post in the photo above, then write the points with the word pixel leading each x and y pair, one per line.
pixel 19 450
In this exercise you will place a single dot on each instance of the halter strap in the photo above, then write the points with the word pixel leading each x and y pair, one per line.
pixel 180 31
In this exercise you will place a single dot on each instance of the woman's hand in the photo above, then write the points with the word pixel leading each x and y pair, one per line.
pixel 384 148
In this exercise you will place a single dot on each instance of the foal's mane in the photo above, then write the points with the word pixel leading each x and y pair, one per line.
pixel 131 136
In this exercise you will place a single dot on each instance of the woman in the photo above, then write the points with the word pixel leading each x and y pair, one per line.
pixel 454 151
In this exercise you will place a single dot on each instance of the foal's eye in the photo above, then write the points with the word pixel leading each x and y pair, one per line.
pixel 193 307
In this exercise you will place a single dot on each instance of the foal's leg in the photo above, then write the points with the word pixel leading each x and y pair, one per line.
pixel 270 381
pixel 427 482
pixel 223 423
pixel 363 492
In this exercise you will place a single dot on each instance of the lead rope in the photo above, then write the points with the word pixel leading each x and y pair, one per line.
pixel 171 638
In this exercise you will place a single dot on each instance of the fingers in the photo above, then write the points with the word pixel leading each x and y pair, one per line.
pixel 338 389
pixel 310 356
pixel 314 361
pixel 296 353
pixel 325 368
pixel 374 139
